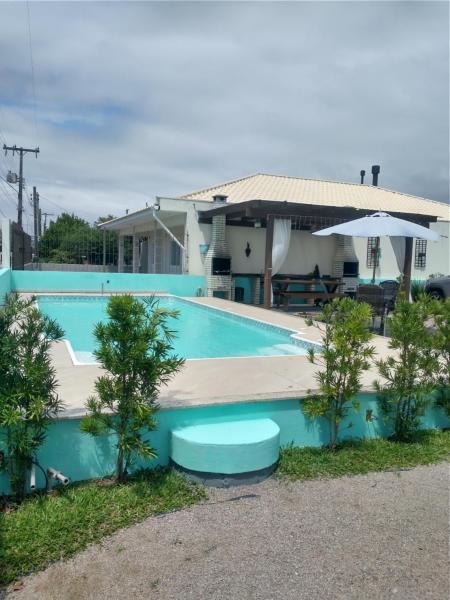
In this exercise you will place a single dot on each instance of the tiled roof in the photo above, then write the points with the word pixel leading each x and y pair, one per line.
pixel 324 193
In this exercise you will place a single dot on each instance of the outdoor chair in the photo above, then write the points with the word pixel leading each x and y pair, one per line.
pixel 374 296
pixel 390 287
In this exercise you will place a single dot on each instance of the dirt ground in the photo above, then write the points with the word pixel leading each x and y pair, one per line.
pixel 385 535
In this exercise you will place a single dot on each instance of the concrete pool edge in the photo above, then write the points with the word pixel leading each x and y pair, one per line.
pixel 297 336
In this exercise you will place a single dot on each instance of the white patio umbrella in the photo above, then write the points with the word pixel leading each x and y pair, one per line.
pixel 382 224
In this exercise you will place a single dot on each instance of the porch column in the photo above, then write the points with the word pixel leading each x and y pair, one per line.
pixel 135 253
pixel 104 250
pixel 407 266
pixel 149 253
pixel 268 263
pixel 120 254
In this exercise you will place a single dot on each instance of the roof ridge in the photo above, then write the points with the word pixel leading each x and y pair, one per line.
pixel 213 187
pixel 366 185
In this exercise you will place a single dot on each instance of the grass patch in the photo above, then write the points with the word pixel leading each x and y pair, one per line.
pixel 356 458
pixel 47 528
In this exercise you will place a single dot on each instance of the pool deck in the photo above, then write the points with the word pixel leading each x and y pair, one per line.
pixel 217 380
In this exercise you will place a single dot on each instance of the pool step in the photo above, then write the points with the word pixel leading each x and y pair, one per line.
pixel 227 453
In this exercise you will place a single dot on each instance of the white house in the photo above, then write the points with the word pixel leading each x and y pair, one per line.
pixel 221 232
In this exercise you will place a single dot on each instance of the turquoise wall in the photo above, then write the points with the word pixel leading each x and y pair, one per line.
pixel 80 456
pixel 70 281
pixel 5 283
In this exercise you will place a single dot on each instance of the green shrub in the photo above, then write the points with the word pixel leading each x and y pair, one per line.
pixel 135 349
pixel 441 349
pixel 28 397
pixel 345 354
pixel 404 392
pixel 417 289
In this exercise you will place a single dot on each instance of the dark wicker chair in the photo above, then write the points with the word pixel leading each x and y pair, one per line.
pixel 374 296
pixel 390 287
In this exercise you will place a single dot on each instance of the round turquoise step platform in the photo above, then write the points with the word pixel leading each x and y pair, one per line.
pixel 223 453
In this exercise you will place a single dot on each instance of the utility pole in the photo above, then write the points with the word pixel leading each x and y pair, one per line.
pixel 21 151
pixel 46 214
pixel 36 220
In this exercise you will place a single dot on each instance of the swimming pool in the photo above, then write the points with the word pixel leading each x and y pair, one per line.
pixel 202 331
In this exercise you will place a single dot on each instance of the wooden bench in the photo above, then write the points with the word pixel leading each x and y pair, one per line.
pixel 307 295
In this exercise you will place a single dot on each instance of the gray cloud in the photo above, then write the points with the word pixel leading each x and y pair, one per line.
pixel 140 99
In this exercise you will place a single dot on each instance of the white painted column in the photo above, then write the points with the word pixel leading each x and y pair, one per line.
pixel 135 253
pixel 149 253
pixel 6 244
pixel 120 254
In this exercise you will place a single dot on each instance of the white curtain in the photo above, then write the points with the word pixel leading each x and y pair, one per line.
pixel 398 245
pixel 280 244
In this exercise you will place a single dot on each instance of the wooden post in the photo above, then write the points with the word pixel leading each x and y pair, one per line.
pixel 376 252
pixel 268 263
pixel 407 266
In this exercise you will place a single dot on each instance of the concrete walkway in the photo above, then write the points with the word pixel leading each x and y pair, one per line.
pixel 380 536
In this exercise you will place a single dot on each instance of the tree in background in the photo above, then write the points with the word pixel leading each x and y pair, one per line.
pixel 407 374
pixel 135 349
pixel 344 356
pixel 28 397
pixel 72 240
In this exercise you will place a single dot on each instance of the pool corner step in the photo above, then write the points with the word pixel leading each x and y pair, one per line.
pixel 226 453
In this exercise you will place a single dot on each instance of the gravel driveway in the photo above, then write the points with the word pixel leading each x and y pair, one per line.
pixel 384 535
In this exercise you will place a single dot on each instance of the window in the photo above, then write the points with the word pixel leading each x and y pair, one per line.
pixel 420 256
pixel 372 244
pixel 175 254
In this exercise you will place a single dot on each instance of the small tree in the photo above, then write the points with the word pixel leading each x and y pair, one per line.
pixel 135 349
pixel 28 397
pixel 441 349
pixel 404 392
pixel 345 354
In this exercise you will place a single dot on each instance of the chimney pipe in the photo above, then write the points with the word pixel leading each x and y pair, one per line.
pixel 219 199
pixel 362 173
pixel 375 172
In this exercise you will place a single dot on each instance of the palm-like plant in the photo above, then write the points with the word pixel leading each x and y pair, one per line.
pixel 135 349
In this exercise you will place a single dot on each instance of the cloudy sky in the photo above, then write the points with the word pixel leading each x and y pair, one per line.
pixel 141 99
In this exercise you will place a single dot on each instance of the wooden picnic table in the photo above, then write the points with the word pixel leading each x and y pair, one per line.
pixel 328 289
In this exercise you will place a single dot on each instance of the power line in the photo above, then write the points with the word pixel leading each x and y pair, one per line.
pixel 52 202
pixel 32 68
pixel 4 180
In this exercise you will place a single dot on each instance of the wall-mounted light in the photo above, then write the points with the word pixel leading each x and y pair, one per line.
pixel 257 224
pixel 248 250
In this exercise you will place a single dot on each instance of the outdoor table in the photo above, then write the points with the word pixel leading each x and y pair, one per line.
pixel 328 289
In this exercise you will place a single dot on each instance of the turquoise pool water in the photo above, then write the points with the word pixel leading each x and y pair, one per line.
pixel 201 332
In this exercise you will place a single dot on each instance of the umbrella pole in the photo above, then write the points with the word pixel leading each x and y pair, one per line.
pixel 375 258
